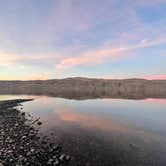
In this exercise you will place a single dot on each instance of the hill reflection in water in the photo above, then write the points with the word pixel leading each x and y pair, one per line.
pixel 104 131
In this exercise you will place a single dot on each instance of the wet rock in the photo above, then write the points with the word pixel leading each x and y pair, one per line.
pixel 39 123
pixel 21 145
pixel 1 164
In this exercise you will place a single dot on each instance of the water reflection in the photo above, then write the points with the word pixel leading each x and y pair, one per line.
pixel 105 132
pixel 90 120
pixel 156 101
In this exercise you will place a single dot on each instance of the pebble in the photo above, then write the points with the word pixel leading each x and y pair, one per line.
pixel 21 145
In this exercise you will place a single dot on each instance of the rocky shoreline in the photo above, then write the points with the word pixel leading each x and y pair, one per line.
pixel 20 140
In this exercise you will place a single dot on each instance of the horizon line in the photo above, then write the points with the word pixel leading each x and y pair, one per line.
pixel 65 78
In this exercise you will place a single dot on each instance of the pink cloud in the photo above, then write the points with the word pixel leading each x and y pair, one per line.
pixel 91 57
pixel 6 59
pixel 156 77
pixel 106 54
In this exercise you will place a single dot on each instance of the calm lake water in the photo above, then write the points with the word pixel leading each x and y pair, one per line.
pixel 104 132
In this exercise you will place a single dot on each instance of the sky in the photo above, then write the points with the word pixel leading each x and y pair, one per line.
pixel 50 39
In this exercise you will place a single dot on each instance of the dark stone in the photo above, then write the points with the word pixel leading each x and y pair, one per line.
pixel 20 143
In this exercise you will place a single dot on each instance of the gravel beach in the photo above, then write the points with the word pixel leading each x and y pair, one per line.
pixel 20 140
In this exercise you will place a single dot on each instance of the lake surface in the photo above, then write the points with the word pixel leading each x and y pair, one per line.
pixel 104 132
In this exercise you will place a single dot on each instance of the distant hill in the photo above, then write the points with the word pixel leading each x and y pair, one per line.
pixel 82 88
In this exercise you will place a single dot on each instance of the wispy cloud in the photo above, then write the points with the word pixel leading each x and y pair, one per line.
pixel 106 54
pixel 71 33
pixel 6 58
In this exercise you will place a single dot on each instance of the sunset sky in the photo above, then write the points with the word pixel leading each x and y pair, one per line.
pixel 45 39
